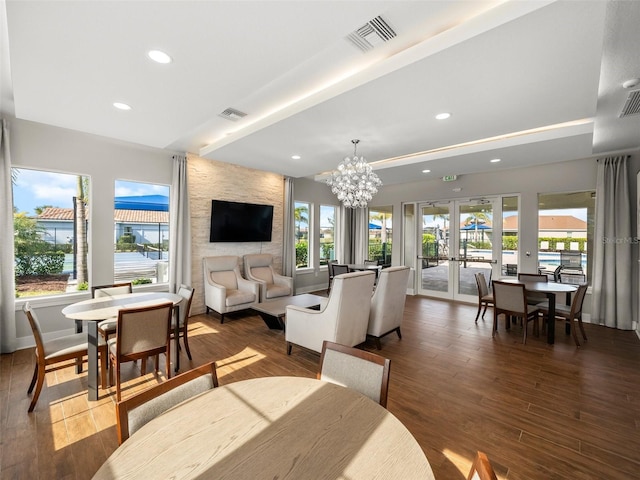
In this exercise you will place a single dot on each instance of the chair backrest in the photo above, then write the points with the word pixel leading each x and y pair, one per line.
pixel 138 410
pixel 533 277
pixel 186 292
pixel 481 469
pixel 510 297
pixel 110 290
pixel 387 302
pixel 481 282
pixel 330 265
pixel 35 328
pixel 223 270
pixel 371 262
pixel 360 370
pixel 258 266
pixel 578 300
pixel 349 304
pixel 339 269
pixel 571 259
pixel 143 329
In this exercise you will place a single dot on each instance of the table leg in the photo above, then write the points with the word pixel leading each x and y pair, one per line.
pixel 551 320
pixel 79 362
pixel 92 367
pixel 176 333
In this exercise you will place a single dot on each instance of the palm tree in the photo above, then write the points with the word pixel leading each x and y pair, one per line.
pixel 301 216
pixel 82 193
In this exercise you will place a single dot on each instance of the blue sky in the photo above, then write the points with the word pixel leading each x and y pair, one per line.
pixel 34 188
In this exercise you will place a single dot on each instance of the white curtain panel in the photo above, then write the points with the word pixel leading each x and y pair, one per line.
pixel 612 292
pixel 343 248
pixel 7 280
pixel 289 245
pixel 180 226
pixel 360 235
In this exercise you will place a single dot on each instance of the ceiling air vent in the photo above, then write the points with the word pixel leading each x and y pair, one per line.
pixel 632 105
pixel 372 34
pixel 232 114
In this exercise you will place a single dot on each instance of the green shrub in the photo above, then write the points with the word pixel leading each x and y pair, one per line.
pixel 302 254
pixel 141 281
pixel 39 263
pixel 82 286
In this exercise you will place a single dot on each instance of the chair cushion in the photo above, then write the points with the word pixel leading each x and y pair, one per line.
pixel 262 273
pixel 227 279
pixel 65 345
pixel 561 309
pixel 108 325
pixel 239 297
pixel 274 291
pixel 487 298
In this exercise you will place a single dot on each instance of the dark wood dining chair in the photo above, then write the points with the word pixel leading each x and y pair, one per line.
pixel 485 298
pixel 54 354
pixel 511 301
pixel 141 333
pixel 107 327
pixel 186 292
pixel 533 298
pixel 360 370
pixel 136 411
pixel 338 269
pixel 571 314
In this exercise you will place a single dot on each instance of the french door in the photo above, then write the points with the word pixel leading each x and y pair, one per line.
pixel 459 238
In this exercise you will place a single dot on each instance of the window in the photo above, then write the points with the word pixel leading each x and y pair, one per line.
pixel 327 233
pixel 141 228
pixel 380 234
pixel 301 220
pixel 565 230
pixel 509 236
pixel 51 220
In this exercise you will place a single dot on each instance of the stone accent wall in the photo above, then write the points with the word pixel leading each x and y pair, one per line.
pixel 209 180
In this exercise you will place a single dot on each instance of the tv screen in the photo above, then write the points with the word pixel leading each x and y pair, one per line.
pixel 240 222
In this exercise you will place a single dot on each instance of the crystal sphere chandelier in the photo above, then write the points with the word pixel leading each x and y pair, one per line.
pixel 354 182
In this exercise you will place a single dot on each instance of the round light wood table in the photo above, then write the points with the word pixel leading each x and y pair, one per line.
pixel 98 309
pixel 272 427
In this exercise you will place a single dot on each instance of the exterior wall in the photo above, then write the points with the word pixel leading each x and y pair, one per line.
pixel 45 147
pixel 209 180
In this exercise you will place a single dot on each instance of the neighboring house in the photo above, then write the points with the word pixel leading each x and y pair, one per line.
pixel 148 227
pixel 558 226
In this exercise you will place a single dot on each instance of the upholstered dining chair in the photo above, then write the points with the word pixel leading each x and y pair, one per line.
pixel 511 301
pixel 533 298
pixel 485 298
pixel 343 319
pixel 387 303
pixel 571 314
pixel 330 265
pixel 54 354
pixel 186 292
pixel 225 290
pixel 481 469
pixel 107 327
pixel 141 333
pixel 258 267
pixel 360 370
pixel 136 411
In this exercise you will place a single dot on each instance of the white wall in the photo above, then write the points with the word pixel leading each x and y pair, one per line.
pixel 44 147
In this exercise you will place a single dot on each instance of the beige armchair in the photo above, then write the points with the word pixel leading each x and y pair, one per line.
pixel 344 318
pixel 224 288
pixel 258 267
pixel 387 303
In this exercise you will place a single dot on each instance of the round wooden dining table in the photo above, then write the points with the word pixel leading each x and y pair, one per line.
pixel 272 427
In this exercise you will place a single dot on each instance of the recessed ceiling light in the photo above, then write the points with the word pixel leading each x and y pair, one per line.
pixel 159 56
pixel 633 82
pixel 494 160
pixel 426 171
pixel 121 106
pixel 443 116
pixel 296 157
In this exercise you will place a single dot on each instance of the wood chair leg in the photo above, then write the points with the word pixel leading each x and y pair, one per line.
pixel 478 314
pixel 33 378
pixel 143 366
pixel 103 369
pixel 38 389
pixel 584 335
pixel 574 334
pixel 186 344
pixel 168 362
pixel 118 393
pixel 399 333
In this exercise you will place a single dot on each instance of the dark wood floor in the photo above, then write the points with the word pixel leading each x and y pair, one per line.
pixel 539 412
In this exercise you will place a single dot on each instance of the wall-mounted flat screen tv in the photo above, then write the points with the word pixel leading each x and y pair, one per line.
pixel 240 222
